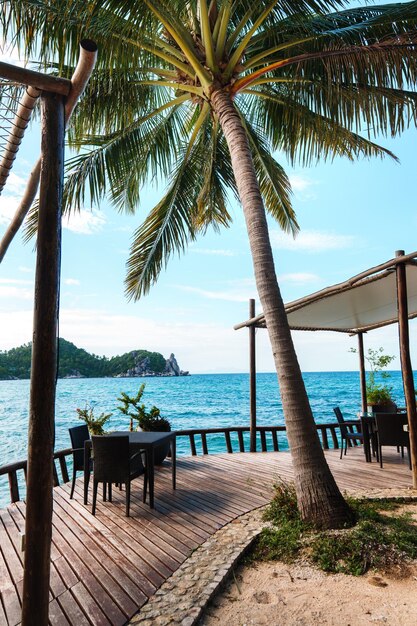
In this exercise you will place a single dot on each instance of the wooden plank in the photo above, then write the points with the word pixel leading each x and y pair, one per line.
pixel 160 523
pixel 66 573
pixel 114 554
pixel 11 604
pixel 14 565
pixel 91 572
pixel 147 578
pixel 56 615
pixel 107 558
pixel 71 609
pixel 3 618
pixel 92 609
pixel 198 477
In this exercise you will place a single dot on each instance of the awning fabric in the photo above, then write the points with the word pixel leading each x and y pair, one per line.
pixel 357 305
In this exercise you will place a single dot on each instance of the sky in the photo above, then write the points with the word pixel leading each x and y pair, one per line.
pixel 352 216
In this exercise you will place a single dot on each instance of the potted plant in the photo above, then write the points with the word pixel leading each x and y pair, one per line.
pixel 146 420
pixel 95 424
pixel 379 394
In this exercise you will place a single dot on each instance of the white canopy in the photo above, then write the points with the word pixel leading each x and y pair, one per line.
pixel 364 302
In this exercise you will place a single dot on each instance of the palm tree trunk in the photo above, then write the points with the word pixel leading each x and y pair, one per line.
pixel 319 498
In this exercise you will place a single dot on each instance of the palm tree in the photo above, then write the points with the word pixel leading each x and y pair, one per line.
pixel 200 94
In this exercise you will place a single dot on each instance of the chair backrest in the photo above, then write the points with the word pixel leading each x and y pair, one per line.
pixel 78 435
pixel 341 421
pixel 111 458
pixel 390 429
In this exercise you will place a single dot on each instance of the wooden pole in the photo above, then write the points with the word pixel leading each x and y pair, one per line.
pixel 406 369
pixel 44 368
pixel 46 82
pixel 362 372
pixel 252 377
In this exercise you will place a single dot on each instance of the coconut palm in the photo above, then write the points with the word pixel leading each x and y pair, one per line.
pixel 201 94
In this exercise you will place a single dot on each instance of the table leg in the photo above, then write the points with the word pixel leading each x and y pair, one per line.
pixel 366 441
pixel 150 467
pixel 174 461
pixel 87 456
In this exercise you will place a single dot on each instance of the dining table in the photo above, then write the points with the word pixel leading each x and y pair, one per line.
pixel 138 440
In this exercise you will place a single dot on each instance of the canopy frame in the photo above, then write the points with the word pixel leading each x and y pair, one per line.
pixel 406 308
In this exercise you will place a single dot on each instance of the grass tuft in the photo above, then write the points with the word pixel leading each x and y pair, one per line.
pixel 382 538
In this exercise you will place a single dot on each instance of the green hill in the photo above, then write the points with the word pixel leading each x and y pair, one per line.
pixel 76 362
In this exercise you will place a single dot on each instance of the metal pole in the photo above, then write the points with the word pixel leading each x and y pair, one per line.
pixel 362 372
pixel 44 368
pixel 406 369
pixel 252 377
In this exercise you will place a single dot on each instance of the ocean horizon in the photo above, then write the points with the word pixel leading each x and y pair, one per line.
pixel 195 401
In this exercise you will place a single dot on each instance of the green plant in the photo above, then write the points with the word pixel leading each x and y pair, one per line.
pixel 375 539
pixel 146 419
pixel 95 424
pixel 378 393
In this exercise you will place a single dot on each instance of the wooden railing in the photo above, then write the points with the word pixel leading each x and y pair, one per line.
pixel 11 471
pixel 197 438
pixel 326 431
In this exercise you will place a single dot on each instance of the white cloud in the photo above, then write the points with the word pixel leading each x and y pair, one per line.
pixel 8 208
pixel 198 347
pixel 299 277
pixel 25 270
pixel 10 291
pixel 229 296
pixel 311 241
pixel 300 183
pixel 84 222
pixel 15 281
pixel 71 281
pixel 213 252
pixel 15 184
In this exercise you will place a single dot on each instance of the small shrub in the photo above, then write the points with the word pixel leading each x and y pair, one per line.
pixel 377 540
pixel 283 507
pixel 151 419
pixel 95 424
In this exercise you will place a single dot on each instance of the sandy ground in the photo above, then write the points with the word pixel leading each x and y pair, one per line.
pixel 298 595
pixel 274 593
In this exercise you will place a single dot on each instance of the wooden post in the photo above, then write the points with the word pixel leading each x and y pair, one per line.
pixel 406 369
pixel 44 368
pixel 362 372
pixel 252 378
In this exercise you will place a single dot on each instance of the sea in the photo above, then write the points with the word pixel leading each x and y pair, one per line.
pixel 196 401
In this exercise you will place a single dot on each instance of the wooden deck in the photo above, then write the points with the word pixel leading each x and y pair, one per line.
pixel 104 568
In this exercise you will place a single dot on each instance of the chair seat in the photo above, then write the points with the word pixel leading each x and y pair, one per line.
pixel 354 436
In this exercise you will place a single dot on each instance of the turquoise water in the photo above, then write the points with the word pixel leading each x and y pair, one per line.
pixel 198 401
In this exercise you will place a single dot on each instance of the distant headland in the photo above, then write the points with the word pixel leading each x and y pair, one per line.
pixel 78 363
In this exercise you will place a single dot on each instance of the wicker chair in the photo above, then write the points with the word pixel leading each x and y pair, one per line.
pixel 390 432
pixel 78 435
pixel 346 434
pixel 113 464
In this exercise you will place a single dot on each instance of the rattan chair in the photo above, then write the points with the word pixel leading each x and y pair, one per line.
pixel 114 464
pixel 346 434
pixel 390 432
pixel 78 435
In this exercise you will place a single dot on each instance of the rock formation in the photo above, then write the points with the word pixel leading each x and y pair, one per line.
pixel 142 367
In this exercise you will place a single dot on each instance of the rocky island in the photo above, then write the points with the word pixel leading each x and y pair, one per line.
pixel 78 363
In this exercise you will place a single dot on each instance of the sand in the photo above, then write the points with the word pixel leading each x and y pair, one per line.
pixel 299 595
pixel 274 593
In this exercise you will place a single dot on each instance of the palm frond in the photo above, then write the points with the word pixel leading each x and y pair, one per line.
pixel 312 136
pixel 167 229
